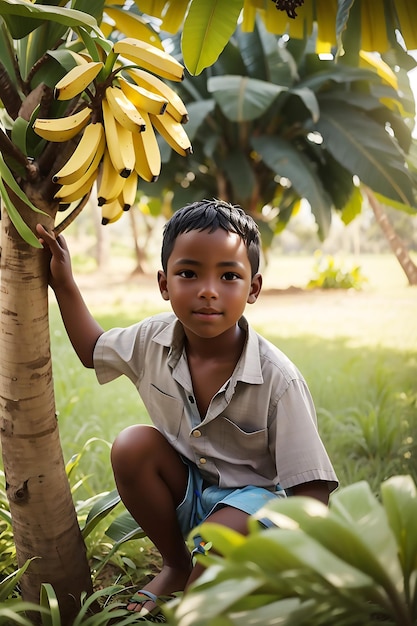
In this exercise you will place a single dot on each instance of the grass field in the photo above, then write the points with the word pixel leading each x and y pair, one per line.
pixel 357 350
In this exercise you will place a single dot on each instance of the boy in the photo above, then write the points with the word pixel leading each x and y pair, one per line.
pixel 233 420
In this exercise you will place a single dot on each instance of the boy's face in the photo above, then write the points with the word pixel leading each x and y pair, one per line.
pixel 209 281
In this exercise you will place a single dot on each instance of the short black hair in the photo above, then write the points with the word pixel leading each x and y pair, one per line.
pixel 211 215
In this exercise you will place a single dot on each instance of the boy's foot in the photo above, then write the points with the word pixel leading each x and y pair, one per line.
pixel 169 581
pixel 141 599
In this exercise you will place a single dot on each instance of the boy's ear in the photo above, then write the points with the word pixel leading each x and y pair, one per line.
pixel 255 289
pixel 163 287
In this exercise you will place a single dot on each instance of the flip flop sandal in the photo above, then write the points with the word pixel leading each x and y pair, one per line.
pixel 155 615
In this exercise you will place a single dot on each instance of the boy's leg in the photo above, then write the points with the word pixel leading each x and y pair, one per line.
pixel 151 480
pixel 226 516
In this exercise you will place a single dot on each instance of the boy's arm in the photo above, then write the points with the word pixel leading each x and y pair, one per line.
pixel 83 331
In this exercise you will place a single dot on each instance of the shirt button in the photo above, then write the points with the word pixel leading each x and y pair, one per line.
pixel 191 399
pixel 203 460
pixel 196 433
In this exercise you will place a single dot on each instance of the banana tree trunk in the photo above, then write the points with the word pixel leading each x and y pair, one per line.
pixel 396 243
pixel 43 514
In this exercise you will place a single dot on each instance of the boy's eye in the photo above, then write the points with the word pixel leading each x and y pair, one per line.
pixel 186 273
pixel 230 276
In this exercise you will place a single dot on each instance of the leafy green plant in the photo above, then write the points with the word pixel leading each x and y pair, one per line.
pixel 330 274
pixel 351 563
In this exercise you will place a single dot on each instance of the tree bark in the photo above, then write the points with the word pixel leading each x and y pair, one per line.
pixel 396 243
pixel 43 515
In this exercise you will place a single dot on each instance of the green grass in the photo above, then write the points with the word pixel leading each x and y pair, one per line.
pixel 358 352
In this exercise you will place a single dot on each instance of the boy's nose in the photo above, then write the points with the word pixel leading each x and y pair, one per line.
pixel 208 291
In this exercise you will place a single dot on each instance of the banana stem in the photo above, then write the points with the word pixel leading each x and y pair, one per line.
pixel 108 66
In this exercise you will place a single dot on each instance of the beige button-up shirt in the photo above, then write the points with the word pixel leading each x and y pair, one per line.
pixel 260 428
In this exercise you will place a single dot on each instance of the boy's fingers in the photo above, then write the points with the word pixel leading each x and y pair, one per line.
pixel 52 242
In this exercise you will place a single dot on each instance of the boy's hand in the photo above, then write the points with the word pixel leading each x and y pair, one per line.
pixel 60 271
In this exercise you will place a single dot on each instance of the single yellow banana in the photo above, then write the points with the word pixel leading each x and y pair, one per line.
pixel 111 212
pixel 129 190
pixel 173 132
pixel 110 183
pixel 82 186
pixel 82 157
pixel 148 156
pixel 112 140
pixel 77 80
pixel 123 110
pixel 69 193
pixel 62 128
pixel 150 58
pixel 125 140
pixel 175 106
pixel 142 98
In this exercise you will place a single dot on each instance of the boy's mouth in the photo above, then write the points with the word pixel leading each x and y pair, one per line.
pixel 207 311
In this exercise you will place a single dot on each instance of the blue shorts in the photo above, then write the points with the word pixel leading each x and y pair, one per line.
pixel 200 501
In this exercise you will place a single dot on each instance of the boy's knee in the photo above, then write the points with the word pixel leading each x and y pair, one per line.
pixel 130 444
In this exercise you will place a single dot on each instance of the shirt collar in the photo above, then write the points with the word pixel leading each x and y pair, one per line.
pixel 248 369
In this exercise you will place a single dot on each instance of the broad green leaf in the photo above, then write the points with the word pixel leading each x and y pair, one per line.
pixel 124 528
pixel 263 58
pixel 353 208
pixel 343 9
pixel 411 210
pixel 64 57
pixel 279 549
pixel 15 217
pixel 364 148
pixel 240 173
pixel 102 508
pixel 284 159
pixel 340 536
pixel 399 496
pixel 92 7
pixel 207 28
pixel 309 98
pixel 339 74
pixel 358 507
pixel 197 112
pixel 225 539
pixel 203 605
pixel 8 178
pixel 6 50
pixel 18 134
pixel 23 17
pixel 241 98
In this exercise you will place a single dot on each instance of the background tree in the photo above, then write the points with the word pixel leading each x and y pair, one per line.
pixel 271 124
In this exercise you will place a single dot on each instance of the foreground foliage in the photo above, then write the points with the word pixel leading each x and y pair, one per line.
pixel 352 563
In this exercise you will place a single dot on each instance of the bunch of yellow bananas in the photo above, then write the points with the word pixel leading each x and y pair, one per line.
pixel 127 103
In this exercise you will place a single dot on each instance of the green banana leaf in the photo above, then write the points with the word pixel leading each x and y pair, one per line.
pixel 241 98
pixel 399 496
pixel 124 528
pixel 366 149
pixel 100 510
pixel 263 59
pixel 24 17
pixel 284 159
pixel 207 28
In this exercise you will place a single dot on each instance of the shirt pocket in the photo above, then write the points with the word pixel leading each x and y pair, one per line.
pixel 240 444
pixel 165 411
